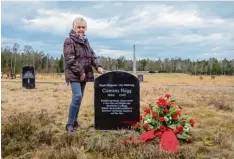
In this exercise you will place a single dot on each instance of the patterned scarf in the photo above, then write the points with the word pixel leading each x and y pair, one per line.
pixel 82 37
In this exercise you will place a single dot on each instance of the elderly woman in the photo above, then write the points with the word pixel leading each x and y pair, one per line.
pixel 79 59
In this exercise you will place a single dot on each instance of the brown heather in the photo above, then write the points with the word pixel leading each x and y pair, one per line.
pixel 33 121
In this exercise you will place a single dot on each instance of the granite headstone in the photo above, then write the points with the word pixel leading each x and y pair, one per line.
pixel 117 100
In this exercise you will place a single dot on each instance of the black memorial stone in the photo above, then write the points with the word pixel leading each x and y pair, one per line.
pixel 28 77
pixel 140 77
pixel 116 100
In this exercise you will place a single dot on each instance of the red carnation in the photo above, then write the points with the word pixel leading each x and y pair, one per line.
pixel 162 128
pixel 180 128
pixel 147 110
pixel 155 114
pixel 178 113
pixel 174 117
pixel 141 116
pixel 136 125
pixel 166 111
pixel 161 102
pixel 176 131
pixel 167 95
pixel 161 119
pixel 190 138
pixel 192 122
pixel 145 126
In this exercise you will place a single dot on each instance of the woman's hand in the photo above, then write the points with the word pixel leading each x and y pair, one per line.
pixel 100 70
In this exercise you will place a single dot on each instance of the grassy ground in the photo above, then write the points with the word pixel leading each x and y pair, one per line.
pixel 33 121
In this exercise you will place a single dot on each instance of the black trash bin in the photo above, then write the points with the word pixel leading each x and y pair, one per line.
pixel 28 77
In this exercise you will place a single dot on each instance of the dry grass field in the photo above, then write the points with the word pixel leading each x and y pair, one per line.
pixel 33 121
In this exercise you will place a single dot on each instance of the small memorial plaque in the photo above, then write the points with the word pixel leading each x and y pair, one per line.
pixel 140 77
pixel 28 77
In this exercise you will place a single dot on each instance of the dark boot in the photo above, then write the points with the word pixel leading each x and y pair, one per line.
pixel 76 125
pixel 70 128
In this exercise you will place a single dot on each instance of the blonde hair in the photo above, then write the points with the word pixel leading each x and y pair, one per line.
pixel 81 20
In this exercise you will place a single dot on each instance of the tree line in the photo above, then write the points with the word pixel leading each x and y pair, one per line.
pixel 12 61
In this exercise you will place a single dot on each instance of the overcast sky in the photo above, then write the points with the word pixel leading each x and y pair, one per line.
pixel 195 30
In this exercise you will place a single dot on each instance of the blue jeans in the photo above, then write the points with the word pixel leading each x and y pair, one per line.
pixel 77 95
